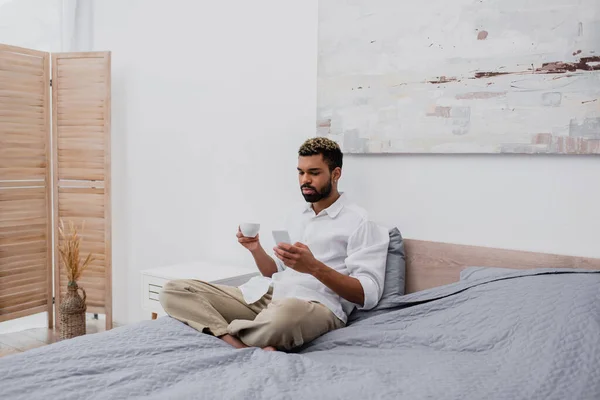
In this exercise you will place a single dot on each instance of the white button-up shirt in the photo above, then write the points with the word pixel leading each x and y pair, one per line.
pixel 341 237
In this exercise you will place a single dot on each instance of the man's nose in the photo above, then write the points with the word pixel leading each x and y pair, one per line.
pixel 305 179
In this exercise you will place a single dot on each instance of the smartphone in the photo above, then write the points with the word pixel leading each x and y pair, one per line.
pixel 281 237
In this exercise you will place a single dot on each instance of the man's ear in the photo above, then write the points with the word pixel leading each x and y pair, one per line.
pixel 336 174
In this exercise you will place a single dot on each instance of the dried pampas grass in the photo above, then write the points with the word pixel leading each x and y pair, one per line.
pixel 69 252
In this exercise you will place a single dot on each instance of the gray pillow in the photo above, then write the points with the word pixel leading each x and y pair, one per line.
pixel 395 276
pixel 395 272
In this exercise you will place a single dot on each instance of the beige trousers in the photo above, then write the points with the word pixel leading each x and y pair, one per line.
pixel 220 310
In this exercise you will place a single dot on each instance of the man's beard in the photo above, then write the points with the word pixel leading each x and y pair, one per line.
pixel 317 196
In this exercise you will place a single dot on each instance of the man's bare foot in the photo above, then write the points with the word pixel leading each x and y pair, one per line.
pixel 232 340
pixel 238 344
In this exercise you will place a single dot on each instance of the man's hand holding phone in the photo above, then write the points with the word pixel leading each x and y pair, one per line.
pixel 297 256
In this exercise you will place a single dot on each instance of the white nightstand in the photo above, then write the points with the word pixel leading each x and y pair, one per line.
pixel 154 279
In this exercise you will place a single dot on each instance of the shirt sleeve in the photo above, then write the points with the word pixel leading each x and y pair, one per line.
pixel 366 260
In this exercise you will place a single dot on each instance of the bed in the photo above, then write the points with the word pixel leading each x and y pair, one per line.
pixel 528 328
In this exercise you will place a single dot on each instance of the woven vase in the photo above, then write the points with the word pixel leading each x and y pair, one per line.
pixel 72 312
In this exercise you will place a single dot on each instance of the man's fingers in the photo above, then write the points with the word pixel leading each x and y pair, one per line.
pixel 285 254
pixel 291 256
pixel 285 246
pixel 278 251
pixel 286 261
pixel 247 240
pixel 293 248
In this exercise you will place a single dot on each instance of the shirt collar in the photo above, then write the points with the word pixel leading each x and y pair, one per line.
pixel 334 209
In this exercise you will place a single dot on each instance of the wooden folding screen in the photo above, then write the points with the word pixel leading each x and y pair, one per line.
pixel 25 185
pixel 81 140
pixel 78 189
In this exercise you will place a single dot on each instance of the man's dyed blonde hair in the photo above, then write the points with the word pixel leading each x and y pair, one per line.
pixel 332 154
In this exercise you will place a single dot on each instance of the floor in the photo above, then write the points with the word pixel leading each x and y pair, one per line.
pixel 30 338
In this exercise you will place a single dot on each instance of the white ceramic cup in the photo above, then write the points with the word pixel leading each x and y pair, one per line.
pixel 249 229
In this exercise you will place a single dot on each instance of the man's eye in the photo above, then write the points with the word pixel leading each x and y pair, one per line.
pixel 315 173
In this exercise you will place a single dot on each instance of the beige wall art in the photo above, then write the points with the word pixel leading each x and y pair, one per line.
pixel 461 76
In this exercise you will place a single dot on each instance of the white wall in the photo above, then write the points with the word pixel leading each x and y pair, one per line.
pixel 34 24
pixel 211 101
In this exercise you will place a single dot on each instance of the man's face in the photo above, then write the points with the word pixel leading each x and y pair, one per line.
pixel 314 178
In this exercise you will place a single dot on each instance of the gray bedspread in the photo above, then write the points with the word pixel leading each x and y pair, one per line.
pixel 520 335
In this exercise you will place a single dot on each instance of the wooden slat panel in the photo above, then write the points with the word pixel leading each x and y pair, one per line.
pixel 5 232
pixel 32 162
pixel 19 83
pixel 6 105
pixel 26 137
pixel 23 56
pixel 28 236
pixel 18 205
pixel 18 305
pixel 14 295
pixel 21 273
pixel 81 102
pixel 79 204
pixel 23 93
pixel 65 185
pixel 94 275
pixel 91 224
pixel 23 172
pixel 22 85
pixel 10 262
pixel 30 158
pixel 8 266
pixel 19 190
pixel 25 102
pixel 18 67
pixel 22 222
pixel 13 283
pixel 13 205
pixel 8 72
pixel 87 283
pixel 70 146
pixel 24 248
pixel 5 315
pixel 33 113
pixel 81 132
pixel 25 229
pixel 431 264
